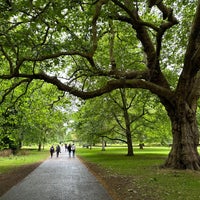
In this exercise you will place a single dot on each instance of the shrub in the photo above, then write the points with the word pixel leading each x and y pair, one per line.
pixel 6 153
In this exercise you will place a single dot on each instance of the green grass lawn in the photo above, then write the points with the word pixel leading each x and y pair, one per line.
pixel 144 170
pixel 23 158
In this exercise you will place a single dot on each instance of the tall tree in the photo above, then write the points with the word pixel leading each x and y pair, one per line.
pixel 103 45
pixel 126 112
pixel 120 116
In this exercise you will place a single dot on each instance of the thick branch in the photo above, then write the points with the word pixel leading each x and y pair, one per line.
pixel 142 33
pixel 167 13
pixel 55 55
pixel 192 56
pixel 97 12
pixel 188 82
pixel 195 35
pixel 110 86
pixel 116 139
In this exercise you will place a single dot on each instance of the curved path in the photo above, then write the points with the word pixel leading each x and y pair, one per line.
pixel 60 178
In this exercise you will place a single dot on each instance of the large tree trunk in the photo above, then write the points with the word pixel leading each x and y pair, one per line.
pixel 184 153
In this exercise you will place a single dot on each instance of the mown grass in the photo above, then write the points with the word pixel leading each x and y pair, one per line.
pixel 145 172
pixel 24 157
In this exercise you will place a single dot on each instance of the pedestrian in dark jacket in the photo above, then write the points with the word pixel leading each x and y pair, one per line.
pixel 51 151
pixel 65 147
pixel 58 150
pixel 69 149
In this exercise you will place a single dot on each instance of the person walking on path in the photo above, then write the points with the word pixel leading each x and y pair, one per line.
pixel 73 148
pixel 65 147
pixel 51 151
pixel 69 150
pixel 58 150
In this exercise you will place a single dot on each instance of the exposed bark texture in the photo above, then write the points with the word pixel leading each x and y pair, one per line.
pixel 129 143
pixel 184 153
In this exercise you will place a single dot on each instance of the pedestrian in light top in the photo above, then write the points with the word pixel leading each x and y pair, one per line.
pixel 73 148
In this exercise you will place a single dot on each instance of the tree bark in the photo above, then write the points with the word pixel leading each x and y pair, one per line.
pixel 129 144
pixel 127 122
pixel 184 153
pixel 39 146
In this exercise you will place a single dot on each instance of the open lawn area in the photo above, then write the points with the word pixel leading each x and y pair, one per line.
pixel 142 176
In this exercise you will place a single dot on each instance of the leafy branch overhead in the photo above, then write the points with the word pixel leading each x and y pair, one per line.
pixel 40 37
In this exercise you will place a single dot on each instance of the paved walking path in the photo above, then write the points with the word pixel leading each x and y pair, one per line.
pixel 60 178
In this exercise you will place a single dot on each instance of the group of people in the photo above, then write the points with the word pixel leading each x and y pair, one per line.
pixel 70 148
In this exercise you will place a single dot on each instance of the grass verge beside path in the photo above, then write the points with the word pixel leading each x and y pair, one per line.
pixel 146 179
pixel 24 157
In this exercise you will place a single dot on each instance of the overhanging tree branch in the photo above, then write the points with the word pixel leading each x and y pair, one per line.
pixel 114 139
pixel 108 87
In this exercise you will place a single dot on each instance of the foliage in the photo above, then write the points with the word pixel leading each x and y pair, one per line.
pixel 37 117
pixel 103 116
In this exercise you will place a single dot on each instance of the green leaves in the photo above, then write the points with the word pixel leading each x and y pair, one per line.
pixel 38 116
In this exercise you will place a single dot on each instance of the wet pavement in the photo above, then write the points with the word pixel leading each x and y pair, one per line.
pixel 61 178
